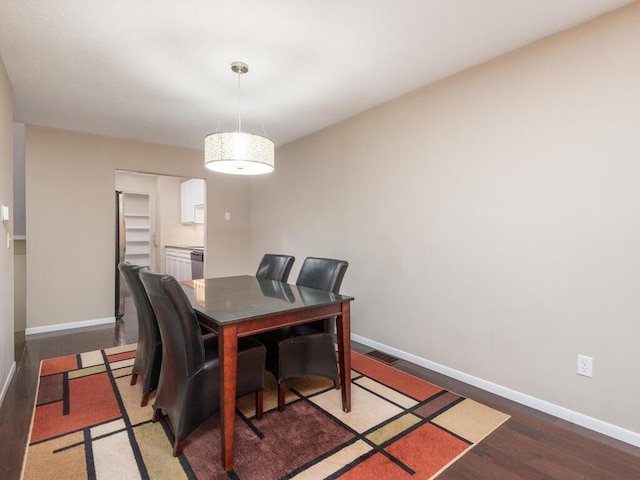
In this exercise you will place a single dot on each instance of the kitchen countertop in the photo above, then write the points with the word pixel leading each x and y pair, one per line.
pixel 186 247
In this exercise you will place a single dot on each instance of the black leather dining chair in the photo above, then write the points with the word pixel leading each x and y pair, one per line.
pixel 149 349
pixel 189 386
pixel 275 267
pixel 309 348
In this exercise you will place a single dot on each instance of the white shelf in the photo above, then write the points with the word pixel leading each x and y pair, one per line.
pixel 137 224
pixel 140 249
pixel 137 235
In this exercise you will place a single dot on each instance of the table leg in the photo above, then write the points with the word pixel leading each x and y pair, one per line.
pixel 343 328
pixel 228 355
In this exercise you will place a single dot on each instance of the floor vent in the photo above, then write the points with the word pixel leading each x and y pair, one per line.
pixel 383 357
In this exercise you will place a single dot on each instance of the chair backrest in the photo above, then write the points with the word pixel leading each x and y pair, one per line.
pixel 182 345
pixel 322 273
pixel 147 324
pixel 275 267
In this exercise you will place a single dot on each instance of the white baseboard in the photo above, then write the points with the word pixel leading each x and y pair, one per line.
pixel 67 326
pixel 5 387
pixel 577 418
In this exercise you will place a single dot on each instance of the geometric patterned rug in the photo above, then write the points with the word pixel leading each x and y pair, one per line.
pixel 88 424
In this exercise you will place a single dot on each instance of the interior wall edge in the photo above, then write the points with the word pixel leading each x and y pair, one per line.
pixel 577 418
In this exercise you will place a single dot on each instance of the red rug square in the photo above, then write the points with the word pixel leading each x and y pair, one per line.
pixel 427 449
pixel 121 356
pixel 59 365
pixel 403 382
pixel 91 401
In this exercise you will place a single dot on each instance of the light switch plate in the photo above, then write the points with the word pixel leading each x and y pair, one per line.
pixel 4 213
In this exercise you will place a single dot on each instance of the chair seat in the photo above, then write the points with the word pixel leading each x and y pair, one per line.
pixel 311 354
pixel 272 338
pixel 300 350
pixel 210 349
pixel 250 352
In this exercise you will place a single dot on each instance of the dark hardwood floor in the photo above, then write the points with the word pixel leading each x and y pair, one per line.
pixel 530 445
pixel 15 413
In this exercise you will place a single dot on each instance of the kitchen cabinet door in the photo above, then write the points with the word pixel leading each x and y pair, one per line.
pixel 192 195
pixel 198 191
pixel 178 263
pixel 187 207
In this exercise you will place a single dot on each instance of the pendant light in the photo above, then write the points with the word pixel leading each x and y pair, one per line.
pixel 237 152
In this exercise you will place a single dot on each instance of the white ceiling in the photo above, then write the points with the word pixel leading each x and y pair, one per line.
pixel 159 70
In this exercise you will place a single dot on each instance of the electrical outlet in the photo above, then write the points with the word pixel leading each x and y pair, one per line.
pixel 585 365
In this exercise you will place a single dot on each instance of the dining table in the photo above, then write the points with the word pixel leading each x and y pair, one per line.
pixel 239 306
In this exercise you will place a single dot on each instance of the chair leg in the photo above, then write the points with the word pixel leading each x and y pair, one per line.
pixel 134 378
pixel 178 447
pixel 336 384
pixel 281 392
pixel 157 415
pixel 259 404
pixel 145 400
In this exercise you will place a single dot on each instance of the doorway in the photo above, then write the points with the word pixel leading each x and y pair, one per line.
pixel 153 221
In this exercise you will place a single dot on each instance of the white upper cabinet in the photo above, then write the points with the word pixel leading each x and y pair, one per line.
pixel 192 195
pixel 187 207
pixel 198 191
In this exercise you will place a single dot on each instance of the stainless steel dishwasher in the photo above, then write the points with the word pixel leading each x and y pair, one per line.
pixel 197 264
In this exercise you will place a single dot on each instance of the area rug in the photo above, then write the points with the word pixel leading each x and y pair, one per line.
pixel 88 424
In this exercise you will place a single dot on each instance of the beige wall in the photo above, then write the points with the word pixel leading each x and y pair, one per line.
pixel 70 184
pixel 6 254
pixel 491 221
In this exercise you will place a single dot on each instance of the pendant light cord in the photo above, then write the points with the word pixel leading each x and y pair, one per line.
pixel 239 73
pixel 239 106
